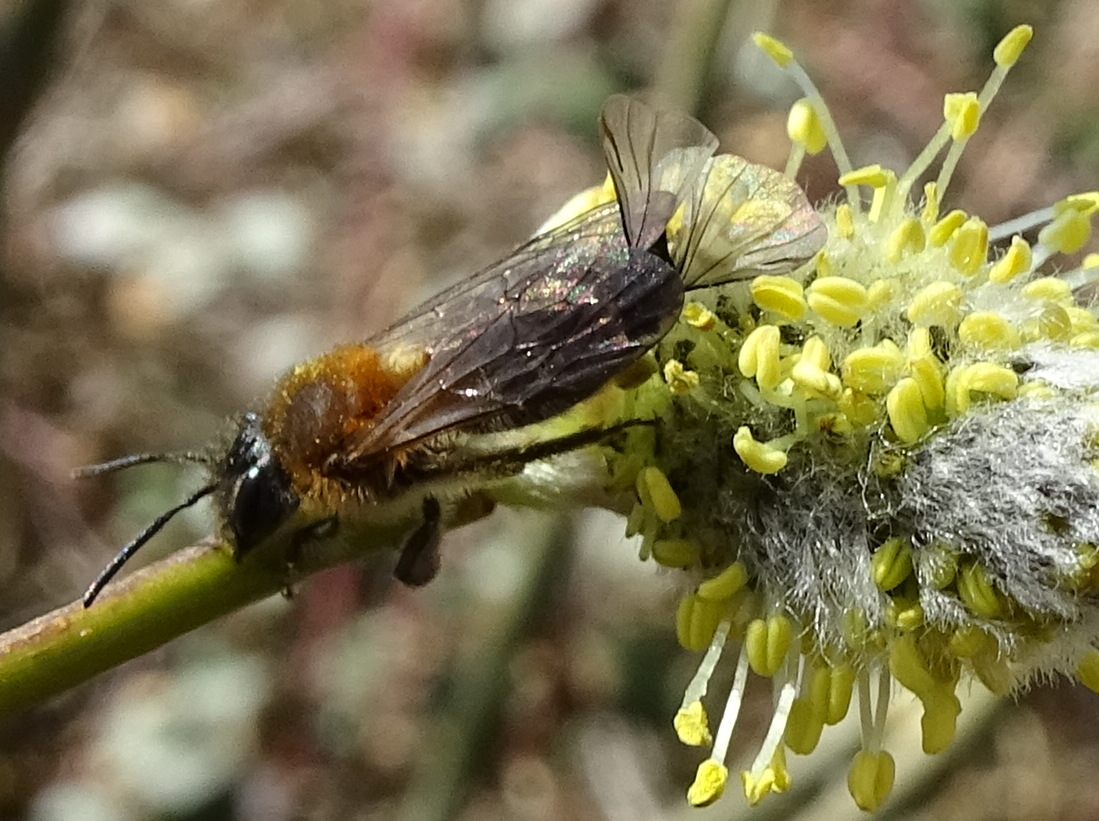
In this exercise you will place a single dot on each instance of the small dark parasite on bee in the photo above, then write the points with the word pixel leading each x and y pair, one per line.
pixel 390 418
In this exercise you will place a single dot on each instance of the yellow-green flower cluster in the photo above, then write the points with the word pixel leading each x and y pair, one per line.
pixel 881 468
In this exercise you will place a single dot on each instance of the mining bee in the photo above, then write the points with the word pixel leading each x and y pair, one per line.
pixel 392 418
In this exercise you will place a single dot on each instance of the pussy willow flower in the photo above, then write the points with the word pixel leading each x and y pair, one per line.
pixel 880 470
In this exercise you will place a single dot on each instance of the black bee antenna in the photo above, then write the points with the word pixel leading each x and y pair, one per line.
pixel 135 544
pixel 124 462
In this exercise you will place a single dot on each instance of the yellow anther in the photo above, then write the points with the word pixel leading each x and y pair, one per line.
pixel 822 264
pixel 782 295
pixel 709 783
pixel 803 127
pixel 725 584
pixel 906 615
pixel 988 330
pixel 930 211
pixel 971 642
pixel 773 778
pixel 873 370
pixel 963 112
pixel 870 779
pixel 928 375
pixel 678 378
pixel 939 723
pixel 906 239
pixel 880 292
pixel 1050 289
pixel 983 377
pixel 944 229
pixel 759 456
pixel 859 408
pixel 773 48
pixel 1087 671
pixel 1090 261
pixel 815 352
pixel 1037 389
pixel 1052 322
pixel 1081 318
pixel 939 303
pixel 759 356
pixel 1088 339
pixel 803 727
pixel 1067 233
pixel 845 221
pixel 969 248
pixel 873 175
pixel 699 316
pixel 839 300
pixel 1016 261
pixel 656 494
pixel 815 381
pixel 909 667
pixel 1087 203
pixel 995 673
pixel 891 563
pixel 1007 51
pixel 977 592
pixel 767 642
pixel 906 410
pixel 920 344
pixel 696 621
pixel 675 552
pixel 692 725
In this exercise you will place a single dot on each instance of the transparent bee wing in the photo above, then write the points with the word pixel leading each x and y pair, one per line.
pixel 743 220
pixel 653 157
pixel 546 327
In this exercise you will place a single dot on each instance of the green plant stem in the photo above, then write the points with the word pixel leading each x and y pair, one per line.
pixel 152 606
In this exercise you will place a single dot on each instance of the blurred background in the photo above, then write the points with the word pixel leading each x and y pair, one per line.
pixel 197 194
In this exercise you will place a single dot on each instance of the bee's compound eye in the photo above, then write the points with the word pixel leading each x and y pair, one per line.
pixel 261 501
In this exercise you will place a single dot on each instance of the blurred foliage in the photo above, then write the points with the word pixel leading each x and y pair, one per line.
pixel 206 192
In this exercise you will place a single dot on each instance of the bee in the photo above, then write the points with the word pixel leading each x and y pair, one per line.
pixel 389 418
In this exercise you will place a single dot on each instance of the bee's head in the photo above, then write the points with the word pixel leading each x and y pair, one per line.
pixel 253 493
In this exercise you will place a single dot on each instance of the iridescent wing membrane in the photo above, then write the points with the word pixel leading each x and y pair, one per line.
pixel 546 327
pixel 743 220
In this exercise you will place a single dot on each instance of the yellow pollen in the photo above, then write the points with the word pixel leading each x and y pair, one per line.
pixel 815 352
pixel 944 229
pixel 759 356
pixel 675 552
pixel 759 456
pixel 936 304
pixel 963 112
pixel 725 584
pixel 845 221
pixel 1087 203
pixel 1050 289
pixel 692 725
pixel 880 292
pixel 1016 261
pixel 870 779
pixel 656 494
pixel 907 414
pixel 709 783
pixel 873 175
pixel 804 128
pixel 979 377
pixel 969 249
pixel 873 370
pixel 839 300
pixel 773 48
pixel 803 728
pixel 977 592
pixel 699 316
pixel 766 642
pixel 1087 670
pixel 988 330
pixel 1007 51
pixel 891 563
pixel 907 238
pixel 782 295
pixel 679 379
pixel 816 381
pixel 1067 233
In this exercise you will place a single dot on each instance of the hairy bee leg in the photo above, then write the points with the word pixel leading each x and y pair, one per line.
pixel 420 560
pixel 320 529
